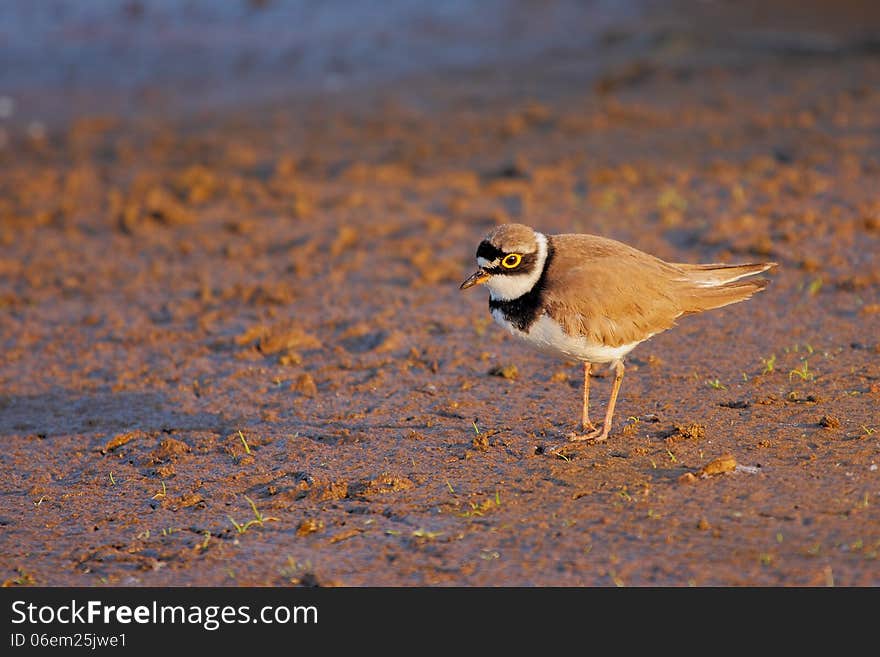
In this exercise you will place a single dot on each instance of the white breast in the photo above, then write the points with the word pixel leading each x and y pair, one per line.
pixel 547 335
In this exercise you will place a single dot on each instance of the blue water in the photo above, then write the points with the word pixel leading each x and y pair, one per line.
pixel 212 51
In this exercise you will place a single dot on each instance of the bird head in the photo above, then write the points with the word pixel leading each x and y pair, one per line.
pixel 510 259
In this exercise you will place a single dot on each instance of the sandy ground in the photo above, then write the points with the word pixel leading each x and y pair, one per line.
pixel 234 351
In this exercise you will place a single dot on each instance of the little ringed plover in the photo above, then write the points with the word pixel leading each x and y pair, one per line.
pixel 594 299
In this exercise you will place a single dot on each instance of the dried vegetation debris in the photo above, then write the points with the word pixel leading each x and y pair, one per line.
pixel 719 465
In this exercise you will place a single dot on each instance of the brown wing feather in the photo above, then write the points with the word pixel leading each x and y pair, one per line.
pixel 610 292
pixel 615 294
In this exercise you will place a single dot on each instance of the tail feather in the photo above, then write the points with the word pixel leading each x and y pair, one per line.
pixel 714 275
pixel 703 298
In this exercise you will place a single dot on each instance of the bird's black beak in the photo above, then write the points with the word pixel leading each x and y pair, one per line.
pixel 477 278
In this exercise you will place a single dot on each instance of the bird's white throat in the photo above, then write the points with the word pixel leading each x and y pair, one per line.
pixel 506 287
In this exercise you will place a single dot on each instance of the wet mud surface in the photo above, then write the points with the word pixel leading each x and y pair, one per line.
pixel 234 351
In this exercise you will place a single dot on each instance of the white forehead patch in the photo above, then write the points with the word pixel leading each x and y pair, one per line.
pixel 485 264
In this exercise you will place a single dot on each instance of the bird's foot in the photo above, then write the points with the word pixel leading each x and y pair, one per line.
pixel 579 440
pixel 591 432
pixel 594 436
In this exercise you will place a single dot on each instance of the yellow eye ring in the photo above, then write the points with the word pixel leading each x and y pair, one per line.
pixel 511 260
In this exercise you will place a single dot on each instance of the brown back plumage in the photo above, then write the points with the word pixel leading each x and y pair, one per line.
pixel 615 294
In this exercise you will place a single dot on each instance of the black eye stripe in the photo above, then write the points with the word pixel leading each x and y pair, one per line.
pixel 490 252
pixel 527 264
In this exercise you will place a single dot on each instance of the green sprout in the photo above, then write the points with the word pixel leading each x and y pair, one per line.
pixel 258 518
pixel 247 449
pixel 803 372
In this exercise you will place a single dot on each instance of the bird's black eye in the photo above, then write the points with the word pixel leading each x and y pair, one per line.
pixel 511 260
